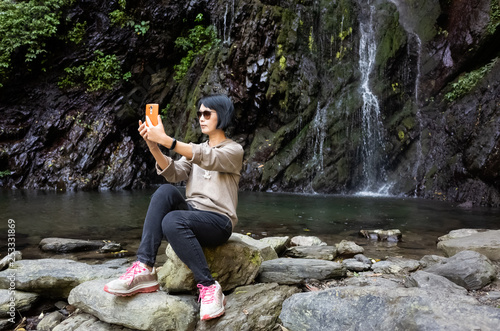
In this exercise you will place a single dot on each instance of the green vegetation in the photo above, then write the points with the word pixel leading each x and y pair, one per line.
pixel 77 33
pixel 494 17
pixel 5 173
pixel 198 41
pixel 468 81
pixel 104 72
pixel 25 26
pixel 121 18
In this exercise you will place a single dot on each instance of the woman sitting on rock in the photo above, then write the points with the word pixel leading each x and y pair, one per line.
pixel 206 216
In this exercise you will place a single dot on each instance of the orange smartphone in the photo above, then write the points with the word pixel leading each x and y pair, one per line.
pixel 152 112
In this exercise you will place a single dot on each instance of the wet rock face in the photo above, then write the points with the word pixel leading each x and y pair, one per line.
pixel 293 69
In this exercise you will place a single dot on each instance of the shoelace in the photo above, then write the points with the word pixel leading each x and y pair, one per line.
pixel 132 271
pixel 207 294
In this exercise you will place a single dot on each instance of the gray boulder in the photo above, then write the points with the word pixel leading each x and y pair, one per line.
pixel 348 248
pixel 49 321
pixel 278 243
pixel 23 301
pixel 395 265
pixel 468 269
pixel 85 322
pixel 252 307
pixel 312 252
pixel 295 271
pixel 233 264
pixel 433 282
pixel 9 259
pixel 306 241
pixel 144 311
pixel 377 308
pixel 486 242
pixel 266 251
pixel 66 245
pixel 57 277
pixel 355 265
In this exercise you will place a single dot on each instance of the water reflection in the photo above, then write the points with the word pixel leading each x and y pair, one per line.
pixel 119 216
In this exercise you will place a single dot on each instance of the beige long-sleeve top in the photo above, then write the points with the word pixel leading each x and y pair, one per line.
pixel 212 175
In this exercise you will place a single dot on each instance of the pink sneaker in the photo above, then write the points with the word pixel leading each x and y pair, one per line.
pixel 212 301
pixel 136 279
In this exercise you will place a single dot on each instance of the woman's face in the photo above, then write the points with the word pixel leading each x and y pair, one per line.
pixel 207 125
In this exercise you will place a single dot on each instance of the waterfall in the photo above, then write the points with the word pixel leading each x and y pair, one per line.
pixel 374 176
pixel 227 25
pixel 320 128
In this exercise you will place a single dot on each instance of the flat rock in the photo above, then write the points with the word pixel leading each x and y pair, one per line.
pixel 144 311
pixel 312 252
pixel 251 307
pixel 295 271
pixel 377 308
pixel 433 282
pixel 57 277
pixel 85 322
pixel 486 242
pixel 65 245
pixel 306 241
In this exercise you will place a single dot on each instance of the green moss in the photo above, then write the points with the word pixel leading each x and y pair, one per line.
pixel 467 81
pixel 401 135
pixel 494 17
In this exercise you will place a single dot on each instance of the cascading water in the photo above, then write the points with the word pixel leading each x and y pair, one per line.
pixel 374 176
pixel 320 123
pixel 227 23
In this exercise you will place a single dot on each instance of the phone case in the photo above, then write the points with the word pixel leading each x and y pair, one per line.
pixel 152 112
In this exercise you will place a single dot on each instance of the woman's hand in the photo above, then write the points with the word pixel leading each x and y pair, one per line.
pixel 151 134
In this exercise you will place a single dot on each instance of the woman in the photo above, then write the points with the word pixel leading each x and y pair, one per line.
pixel 205 218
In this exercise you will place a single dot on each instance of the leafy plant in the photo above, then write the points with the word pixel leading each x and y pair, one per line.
pixel 26 25
pixel 5 173
pixel 77 33
pixel 199 40
pixel 121 18
pixel 104 72
pixel 468 81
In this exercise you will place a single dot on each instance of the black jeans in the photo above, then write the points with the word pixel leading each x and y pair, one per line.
pixel 185 228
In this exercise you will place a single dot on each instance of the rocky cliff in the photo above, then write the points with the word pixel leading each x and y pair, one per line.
pixel 397 97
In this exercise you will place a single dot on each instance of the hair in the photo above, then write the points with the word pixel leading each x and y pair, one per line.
pixel 222 105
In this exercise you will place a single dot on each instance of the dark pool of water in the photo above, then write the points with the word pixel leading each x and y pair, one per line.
pixel 118 216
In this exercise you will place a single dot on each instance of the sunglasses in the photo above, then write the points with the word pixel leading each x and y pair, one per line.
pixel 206 114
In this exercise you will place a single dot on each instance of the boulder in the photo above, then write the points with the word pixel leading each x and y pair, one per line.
pixel 57 277
pixel 232 264
pixel 9 259
pixel 349 248
pixel 468 269
pixel 49 321
pixel 251 307
pixel 23 301
pixel 144 311
pixel 266 251
pixel 379 308
pixel 355 265
pixel 433 282
pixel 395 265
pixel 486 242
pixel 278 243
pixel 65 245
pixel 306 241
pixel 312 252
pixel 83 322
pixel 295 271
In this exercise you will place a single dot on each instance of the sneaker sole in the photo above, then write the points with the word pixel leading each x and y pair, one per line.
pixel 135 290
pixel 215 315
